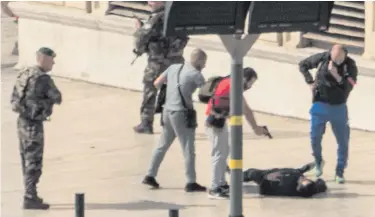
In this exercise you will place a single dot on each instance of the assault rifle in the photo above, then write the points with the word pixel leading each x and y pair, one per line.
pixel 137 54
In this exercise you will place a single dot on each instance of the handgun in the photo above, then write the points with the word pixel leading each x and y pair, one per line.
pixel 268 134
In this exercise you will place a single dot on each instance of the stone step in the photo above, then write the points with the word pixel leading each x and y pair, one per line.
pixel 342 31
pixel 334 39
pixel 128 13
pixel 348 23
pixel 348 13
pixel 356 5
pixel 131 5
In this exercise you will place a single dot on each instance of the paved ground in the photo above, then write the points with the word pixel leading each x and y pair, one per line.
pixel 90 148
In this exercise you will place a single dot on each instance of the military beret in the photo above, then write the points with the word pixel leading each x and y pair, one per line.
pixel 47 51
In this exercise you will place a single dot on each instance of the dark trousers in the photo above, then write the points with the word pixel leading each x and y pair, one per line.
pixel 31 137
pixel 148 103
pixel 152 71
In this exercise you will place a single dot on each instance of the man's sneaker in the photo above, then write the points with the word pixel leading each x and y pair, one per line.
pixel 144 128
pixel 195 187
pixel 340 177
pixel 319 169
pixel 218 193
pixel 151 181
pixel 225 188
pixel 34 203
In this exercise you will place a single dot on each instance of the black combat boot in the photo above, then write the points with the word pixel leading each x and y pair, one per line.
pixel 34 202
pixel 145 127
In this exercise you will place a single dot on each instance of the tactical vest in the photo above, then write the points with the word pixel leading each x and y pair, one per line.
pixel 24 100
pixel 162 49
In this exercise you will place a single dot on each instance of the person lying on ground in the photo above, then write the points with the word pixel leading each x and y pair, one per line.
pixel 285 181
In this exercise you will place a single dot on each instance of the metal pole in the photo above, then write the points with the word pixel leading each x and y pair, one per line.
pixel 237 48
pixel 236 130
pixel 173 213
pixel 80 205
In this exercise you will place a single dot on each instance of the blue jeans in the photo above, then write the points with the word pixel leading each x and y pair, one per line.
pixel 337 115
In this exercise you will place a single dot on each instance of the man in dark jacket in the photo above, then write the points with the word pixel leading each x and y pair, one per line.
pixel 285 181
pixel 335 78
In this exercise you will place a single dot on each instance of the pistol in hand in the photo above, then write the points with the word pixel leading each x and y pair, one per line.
pixel 268 134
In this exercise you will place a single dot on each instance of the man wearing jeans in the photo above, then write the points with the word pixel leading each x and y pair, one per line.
pixel 336 76
pixel 217 112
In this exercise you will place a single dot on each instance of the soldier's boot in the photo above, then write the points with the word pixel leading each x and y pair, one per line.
pixel 34 202
pixel 145 127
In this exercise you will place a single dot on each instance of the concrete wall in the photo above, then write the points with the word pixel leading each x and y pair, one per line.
pixel 98 50
pixel 369 30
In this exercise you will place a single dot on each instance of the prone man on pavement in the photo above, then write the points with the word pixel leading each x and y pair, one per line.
pixel 285 181
pixel 216 128
pixel 162 52
pixel 335 78
pixel 33 97
pixel 179 117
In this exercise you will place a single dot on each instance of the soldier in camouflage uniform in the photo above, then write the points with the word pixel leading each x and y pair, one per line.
pixel 33 97
pixel 162 52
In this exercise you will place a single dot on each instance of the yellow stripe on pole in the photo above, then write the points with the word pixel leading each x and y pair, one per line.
pixel 235 164
pixel 235 120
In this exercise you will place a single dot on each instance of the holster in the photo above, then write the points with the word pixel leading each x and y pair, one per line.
pixel 190 116
pixel 160 101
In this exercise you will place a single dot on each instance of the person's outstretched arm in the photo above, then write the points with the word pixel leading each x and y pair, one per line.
pixel 254 175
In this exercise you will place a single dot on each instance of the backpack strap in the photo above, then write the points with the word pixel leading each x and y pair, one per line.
pixel 179 89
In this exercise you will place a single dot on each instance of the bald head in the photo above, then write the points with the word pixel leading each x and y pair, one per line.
pixel 338 54
pixel 198 58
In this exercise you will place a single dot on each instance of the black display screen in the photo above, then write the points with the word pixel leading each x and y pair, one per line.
pixel 285 12
pixel 205 13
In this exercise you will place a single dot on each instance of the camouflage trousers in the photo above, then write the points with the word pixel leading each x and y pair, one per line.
pixel 152 71
pixel 31 137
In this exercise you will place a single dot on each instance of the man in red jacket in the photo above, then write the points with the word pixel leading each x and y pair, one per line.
pixel 217 112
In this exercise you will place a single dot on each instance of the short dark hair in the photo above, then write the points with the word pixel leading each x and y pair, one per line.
pixel 249 73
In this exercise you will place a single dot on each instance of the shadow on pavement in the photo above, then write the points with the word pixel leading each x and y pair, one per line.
pixel 357 182
pixel 253 189
pixel 341 195
pixel 275 134
pixel 138 205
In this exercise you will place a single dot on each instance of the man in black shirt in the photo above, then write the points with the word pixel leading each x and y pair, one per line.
pixel 285 181
pixel 335 78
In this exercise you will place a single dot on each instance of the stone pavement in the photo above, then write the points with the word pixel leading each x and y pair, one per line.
pixel 91 148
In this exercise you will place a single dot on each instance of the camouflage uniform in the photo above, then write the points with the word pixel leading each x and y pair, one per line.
pixel 33 97
pixel 162 52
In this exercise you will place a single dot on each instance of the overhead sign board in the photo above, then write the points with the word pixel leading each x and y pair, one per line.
pixel 205 17
pixel 285 16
